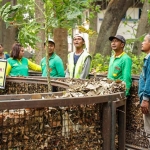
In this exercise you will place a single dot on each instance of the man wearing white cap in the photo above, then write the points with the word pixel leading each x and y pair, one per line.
pixel 79 61
pixel 55 62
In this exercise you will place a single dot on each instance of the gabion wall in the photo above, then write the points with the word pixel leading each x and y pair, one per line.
pixel 135 134
pixel 59 128
pixel 23 88
pixel 51 128
pixel 27 88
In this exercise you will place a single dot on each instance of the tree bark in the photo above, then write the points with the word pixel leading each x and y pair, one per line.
pixel 92 39
pixel 8 36
pixel 143 28
pixel 114 13
pixel 61 43
pixel 39 52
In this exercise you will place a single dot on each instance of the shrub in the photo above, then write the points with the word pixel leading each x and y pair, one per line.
pixel 100 63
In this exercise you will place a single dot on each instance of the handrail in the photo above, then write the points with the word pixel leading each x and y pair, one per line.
pixel 31 103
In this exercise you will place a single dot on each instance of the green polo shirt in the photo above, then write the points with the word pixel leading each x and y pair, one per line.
pixel 56 66
pixel 120 68
pixel 20 67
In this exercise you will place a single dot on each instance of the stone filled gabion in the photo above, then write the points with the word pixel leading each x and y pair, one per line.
pixel 90 87
pixel 55 128
pixel 51 128
pixel 93 87
pixel 23 88
pixel 135 134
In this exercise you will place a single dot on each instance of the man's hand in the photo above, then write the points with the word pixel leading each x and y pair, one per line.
pixel 145 106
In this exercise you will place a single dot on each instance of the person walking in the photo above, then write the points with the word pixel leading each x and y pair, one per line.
pixel 55 62
pixel 120 63
pixel 79 61
pixel 2 54
pixel 144 85
pixel 17 65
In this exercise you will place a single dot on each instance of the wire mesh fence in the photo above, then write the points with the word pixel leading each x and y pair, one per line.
pixel 77 123
pixel 16 85
pixel 135 134
pixel 52 128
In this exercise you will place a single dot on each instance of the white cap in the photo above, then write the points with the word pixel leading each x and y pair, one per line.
pixel 80 35
pixel 50 40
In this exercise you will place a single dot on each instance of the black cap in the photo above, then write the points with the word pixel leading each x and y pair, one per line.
pixel 119 37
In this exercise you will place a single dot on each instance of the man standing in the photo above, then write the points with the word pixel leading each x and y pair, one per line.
pixel 55 62
pixel 79 61
pixel 120 63
pixel 144 85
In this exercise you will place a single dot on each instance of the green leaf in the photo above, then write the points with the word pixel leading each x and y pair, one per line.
pixel 7 10
pixel 4 7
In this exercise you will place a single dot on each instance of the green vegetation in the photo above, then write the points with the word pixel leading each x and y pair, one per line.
pixel 57 14
pixel 137 63
pixel 66 14
pixel 100 63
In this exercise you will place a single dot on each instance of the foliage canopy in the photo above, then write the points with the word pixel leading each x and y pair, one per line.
pixel 59 14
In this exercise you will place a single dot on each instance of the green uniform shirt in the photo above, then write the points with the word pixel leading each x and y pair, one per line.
pixel 56 66
pixel 21 67
pixel 120 68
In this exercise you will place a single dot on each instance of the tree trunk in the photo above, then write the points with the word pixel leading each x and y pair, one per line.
pixel 9 35
pixel 61 42
pixel 93 38
pixel 143 27
pixel 39 53
pixel 115 11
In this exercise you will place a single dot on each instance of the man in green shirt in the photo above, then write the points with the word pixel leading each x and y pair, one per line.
pixel 55 62
pixel 120 63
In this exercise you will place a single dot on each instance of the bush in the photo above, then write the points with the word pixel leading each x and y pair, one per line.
pixel 100 63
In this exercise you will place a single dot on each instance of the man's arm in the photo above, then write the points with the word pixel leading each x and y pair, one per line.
pixel 86 68
pixel 146 92
pixel 67 74
pixel 60 68
pixel 141 87
pixel 127 74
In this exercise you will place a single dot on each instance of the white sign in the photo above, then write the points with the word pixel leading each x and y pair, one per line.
pixel 3 65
